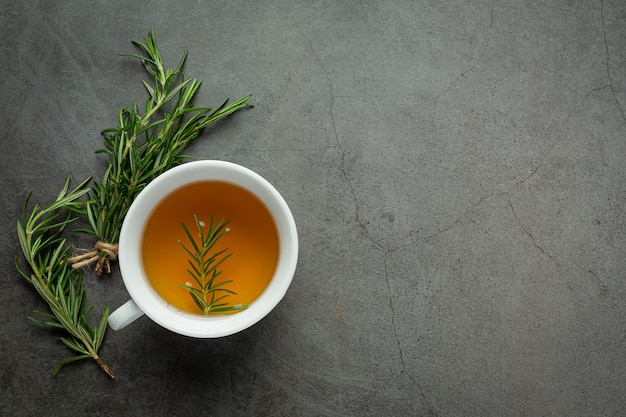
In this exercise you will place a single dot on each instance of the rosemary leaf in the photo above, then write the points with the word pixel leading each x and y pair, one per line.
pixel 54 323
pixel 64 362
pixel 101 329
pixel 72 344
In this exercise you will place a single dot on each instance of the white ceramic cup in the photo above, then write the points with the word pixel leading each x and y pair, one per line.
pixel 145 300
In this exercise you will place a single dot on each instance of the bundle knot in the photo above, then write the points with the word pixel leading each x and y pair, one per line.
pixel 102 254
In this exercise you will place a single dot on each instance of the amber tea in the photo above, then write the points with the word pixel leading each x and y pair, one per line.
pixel 252 239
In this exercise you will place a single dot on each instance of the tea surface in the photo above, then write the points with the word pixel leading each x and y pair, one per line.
pixel 252 239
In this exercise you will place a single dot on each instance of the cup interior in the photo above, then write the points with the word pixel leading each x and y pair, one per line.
pixel 130 250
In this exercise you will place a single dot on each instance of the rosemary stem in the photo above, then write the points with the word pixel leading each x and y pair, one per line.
pixel 104 367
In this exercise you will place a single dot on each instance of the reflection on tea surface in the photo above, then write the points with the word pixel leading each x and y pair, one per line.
pixel 252 238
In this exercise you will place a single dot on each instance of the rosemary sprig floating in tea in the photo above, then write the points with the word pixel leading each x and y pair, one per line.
pixel 204 268
pixel 46 251
pixel 145 145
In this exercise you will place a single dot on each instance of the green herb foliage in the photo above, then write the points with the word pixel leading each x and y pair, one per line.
pixel 145 145
pixel 209 296
pixel 46 252
pixel 142 147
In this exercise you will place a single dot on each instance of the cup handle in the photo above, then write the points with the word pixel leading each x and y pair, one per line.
pixel 124 315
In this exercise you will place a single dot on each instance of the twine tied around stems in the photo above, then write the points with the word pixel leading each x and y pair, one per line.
pixel 102 254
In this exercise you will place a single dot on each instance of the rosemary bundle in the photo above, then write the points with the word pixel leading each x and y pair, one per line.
pixel 46 251
pixel 143 146
pixel 204 268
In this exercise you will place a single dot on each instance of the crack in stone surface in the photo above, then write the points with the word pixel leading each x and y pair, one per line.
pixel 19 108
pixel 454 222
pixel 507 193
pixel 526 231
pixel 559 134
pixel 608 61
pixel 331 112
pixel 601 285
pixel 394 327
pixel 476 61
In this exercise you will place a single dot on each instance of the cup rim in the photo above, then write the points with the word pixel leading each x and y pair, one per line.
pixel 133 272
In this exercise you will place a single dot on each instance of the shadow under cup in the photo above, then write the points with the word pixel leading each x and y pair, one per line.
pixel 145 300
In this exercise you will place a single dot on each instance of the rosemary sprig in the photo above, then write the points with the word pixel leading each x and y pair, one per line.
pixel 145 145
pixel 204 266
pixel 46 252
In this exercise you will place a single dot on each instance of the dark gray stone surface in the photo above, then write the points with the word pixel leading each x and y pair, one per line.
pixel 456 170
